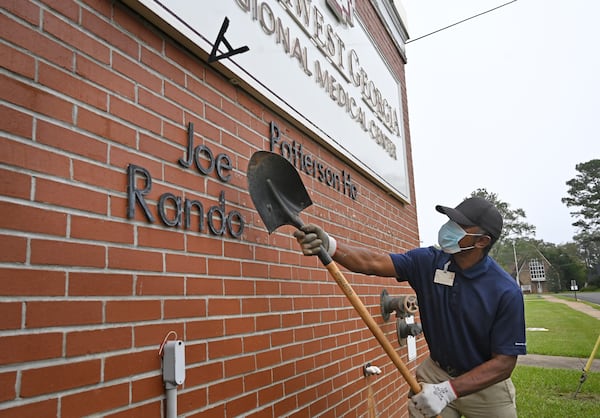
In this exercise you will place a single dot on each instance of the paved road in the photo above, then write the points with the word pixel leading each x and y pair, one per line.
pixel 593 297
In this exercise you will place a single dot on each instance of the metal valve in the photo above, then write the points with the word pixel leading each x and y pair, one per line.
pixel 403 305
pixel 404 330
pixel 406 327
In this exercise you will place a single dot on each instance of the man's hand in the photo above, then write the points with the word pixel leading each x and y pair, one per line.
pixel 311 238
pixel 433 398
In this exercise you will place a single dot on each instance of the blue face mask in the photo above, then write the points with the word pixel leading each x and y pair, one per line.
pixel 449 235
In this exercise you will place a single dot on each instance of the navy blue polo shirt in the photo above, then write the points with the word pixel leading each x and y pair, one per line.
pixel 479 313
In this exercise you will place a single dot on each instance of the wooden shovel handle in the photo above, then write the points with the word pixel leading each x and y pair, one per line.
pixel 369 321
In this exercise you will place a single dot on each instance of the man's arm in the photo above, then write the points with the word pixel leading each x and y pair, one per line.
pixel 434 397
pixel 495 370
pixel 356 259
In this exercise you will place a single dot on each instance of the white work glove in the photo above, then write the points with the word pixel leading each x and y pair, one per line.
pixel 311 238
pixel 433 398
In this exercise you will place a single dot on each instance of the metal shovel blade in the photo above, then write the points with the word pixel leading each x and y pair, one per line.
pixel 276 190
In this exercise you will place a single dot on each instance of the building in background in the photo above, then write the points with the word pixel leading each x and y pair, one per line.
pixel 127 127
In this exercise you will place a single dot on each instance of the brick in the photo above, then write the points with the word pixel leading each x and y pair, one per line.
pixel 159 285
pixel 102 76
pixel 131 364
pixel 62 253
pixel 132 310
pixel 32 282
pixel 153 335
pixel 224 348
pixel 162 148
pixel 35 99
pixel 177 263
pixel 208 328
pixel 109 33
pixel 95 400
pixel 190 179
pixel 68 139
pixel 100 284
pixel 16 122
pixel 204 286
pixel 15 184
pixel 131 259
pixel 131 23
pixel 105 127
pixel 218 306
pixel 184 98
pixel 160 238
pixel 240 365
pixel 25 10
pixel 76 38
pixel 30 347
pixel 80 90
pixel 33 158
pixel 157 104
pixel 153 409
pixel 157 62
pixel 31 40
pixel 8 383
pixel 39 381
pixel 13 249
pixel 238 406
pixel 225 390
pixel 62 313
pixel 10 316
pixel 132 70
pixel 99 176
pixel 101 230
pixel 71 196
pixel 270 394
pixel 242 325
pixel 121 158
pixel 148 388
pixel 80 343
pixel 224 267
pixel 195 399
pixel 135 114
pixel 48 408
pixel 188 308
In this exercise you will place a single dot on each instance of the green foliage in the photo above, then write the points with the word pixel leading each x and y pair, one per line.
pixel 566 262
pixel 584 195
pixel 514 219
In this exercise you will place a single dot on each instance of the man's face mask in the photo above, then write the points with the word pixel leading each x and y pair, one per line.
pixel 449 235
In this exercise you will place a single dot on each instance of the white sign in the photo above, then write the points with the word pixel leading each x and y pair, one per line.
pixel 320 67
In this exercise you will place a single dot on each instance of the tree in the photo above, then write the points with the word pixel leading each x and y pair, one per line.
pixel 584 195
pixel 514 219
pixel 514 228
pixel 566 261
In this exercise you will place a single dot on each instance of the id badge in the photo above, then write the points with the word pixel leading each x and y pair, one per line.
pixel 444 277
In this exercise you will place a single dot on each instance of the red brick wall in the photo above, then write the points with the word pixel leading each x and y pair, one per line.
pixel 87 295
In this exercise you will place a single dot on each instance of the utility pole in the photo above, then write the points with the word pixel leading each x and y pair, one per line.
pixel 516 264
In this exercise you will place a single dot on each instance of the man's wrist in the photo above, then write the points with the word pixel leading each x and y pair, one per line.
pixel 332 245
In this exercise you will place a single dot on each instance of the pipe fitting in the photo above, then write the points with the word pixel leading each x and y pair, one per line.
pixel 403 306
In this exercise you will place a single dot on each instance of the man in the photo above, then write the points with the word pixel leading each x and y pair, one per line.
pixel 471 310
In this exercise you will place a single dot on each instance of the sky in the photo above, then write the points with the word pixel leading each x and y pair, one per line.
pixel 508 101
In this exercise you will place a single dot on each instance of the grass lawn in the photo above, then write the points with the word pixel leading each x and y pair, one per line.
pixel 570 333
pixel 548 393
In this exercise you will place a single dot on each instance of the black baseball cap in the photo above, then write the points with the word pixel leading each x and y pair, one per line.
pixel 476 211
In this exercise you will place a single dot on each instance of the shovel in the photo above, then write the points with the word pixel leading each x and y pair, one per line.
pixel 279 196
